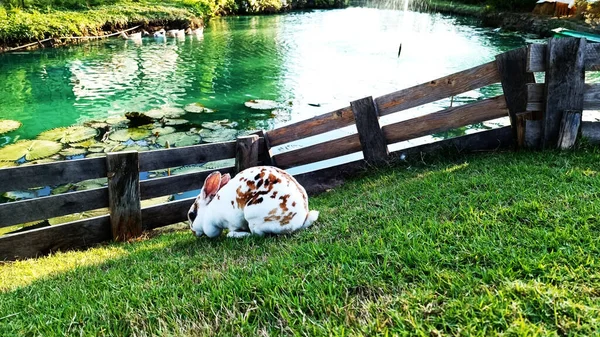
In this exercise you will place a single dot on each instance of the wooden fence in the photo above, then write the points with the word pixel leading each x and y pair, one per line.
pixel 535 111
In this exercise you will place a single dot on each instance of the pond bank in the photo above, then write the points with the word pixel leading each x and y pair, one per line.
pixel 514 21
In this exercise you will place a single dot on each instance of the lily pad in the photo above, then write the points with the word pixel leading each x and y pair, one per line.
pixel 7 125
pixel 41 161
pixel 178 139
pixel 194 108
pixel 71 134
pixel 117 120
pixel 96 155
pixel 96 124
pixel 31 149
pixel 188 169
pixel 262 104
pixel 4 164
pixel 85 144
pixel 124 135
pixel 165 112
pixel 73 151
pixel 213 165
pixel 163 131
pixel 217 136
pixel 156 201
pixel 169 121
pixel 212 126
pixel 137 118
pixel 78 216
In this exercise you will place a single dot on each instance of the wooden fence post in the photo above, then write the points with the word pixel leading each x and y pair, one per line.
pixel 246 152
pixel 569 128
pixel 565 79
pixel 124 195
pixel 372 140
pixel 512 67
pixel 266 157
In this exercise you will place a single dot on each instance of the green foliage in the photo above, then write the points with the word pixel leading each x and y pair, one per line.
pixel 502 5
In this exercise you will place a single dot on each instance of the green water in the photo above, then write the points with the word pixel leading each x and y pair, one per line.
pixel 325 58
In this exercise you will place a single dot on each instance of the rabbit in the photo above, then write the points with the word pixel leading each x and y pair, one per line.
pixel 257 201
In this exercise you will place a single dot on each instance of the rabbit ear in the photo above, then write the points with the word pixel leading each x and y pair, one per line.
pixel 224 180
pixel 211 185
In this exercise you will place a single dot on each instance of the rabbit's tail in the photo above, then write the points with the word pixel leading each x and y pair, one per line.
pixel 310 218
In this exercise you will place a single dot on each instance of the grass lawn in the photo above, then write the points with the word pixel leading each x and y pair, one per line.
pixel 504 243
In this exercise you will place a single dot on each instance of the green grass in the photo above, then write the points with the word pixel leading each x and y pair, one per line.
pixel 504 243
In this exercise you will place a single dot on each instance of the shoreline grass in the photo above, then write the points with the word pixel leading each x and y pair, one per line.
pixel 500 243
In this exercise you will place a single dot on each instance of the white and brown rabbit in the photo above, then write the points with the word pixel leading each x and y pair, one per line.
pixel 259 200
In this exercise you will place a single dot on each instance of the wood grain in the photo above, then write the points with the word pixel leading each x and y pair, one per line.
pixel 512 66
pixel 371 137
pixel 166 214
pixel 565 79
pixel 38 242
pixel 311 127
pixel 319 181
pixel 569 128
pixel 18 212
pixel 536 97
pixel 327 150
pixel 124 195
pixel 447 119
pixel 591 132
pixel 158 187
pixel 444 87
pixel 159 159
pixel 536 59
pixel 51 174
pixel 520 126
pixel 246 152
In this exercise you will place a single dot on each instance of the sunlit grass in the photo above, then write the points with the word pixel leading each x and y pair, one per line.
pixel 473 245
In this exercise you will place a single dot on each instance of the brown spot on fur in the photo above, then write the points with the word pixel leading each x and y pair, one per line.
pixel 259 184
pixel 232 204
pixel 287 218
pixel 218 197
pixel 272 218
pixel 273 211
pixel 294 204
pixel 283 204
pixel 274 195
pixel 251 184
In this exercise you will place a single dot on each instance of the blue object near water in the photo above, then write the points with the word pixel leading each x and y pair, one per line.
pixel 563 32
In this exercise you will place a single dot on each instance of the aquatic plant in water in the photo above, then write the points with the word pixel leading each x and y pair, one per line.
pixel 124 135
pixel 30 149
pixel 262 104
pixel 178 139
pixel 7 125
pixel 71 134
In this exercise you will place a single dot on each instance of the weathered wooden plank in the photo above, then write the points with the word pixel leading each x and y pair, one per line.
pixel 536 97
pixel 159 159
pixel 264 148
pixel 536 59
pixel 310 127
pixel 158 187
pixel 565 79
pixel 166 214
pixel 124 195
pixel 51 174
pixel 569 128
pixel 591 132
pixel 319 181
pixel 38 242
pixel 14 213
pixel 514 78
pixel 246 153
pixel 444 87
pixel 521 125
pixel 327 150
pixel 371 137
pixel 447 119
pixel 533 134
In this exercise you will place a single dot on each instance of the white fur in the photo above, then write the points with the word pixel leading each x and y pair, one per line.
pixel 275 214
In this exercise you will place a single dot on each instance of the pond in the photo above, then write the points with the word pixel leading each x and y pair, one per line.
pixel 309 62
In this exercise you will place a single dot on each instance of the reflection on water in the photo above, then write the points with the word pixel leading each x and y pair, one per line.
pixel 325 58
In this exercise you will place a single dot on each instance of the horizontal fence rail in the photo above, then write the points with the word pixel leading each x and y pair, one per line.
pixel 521 101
